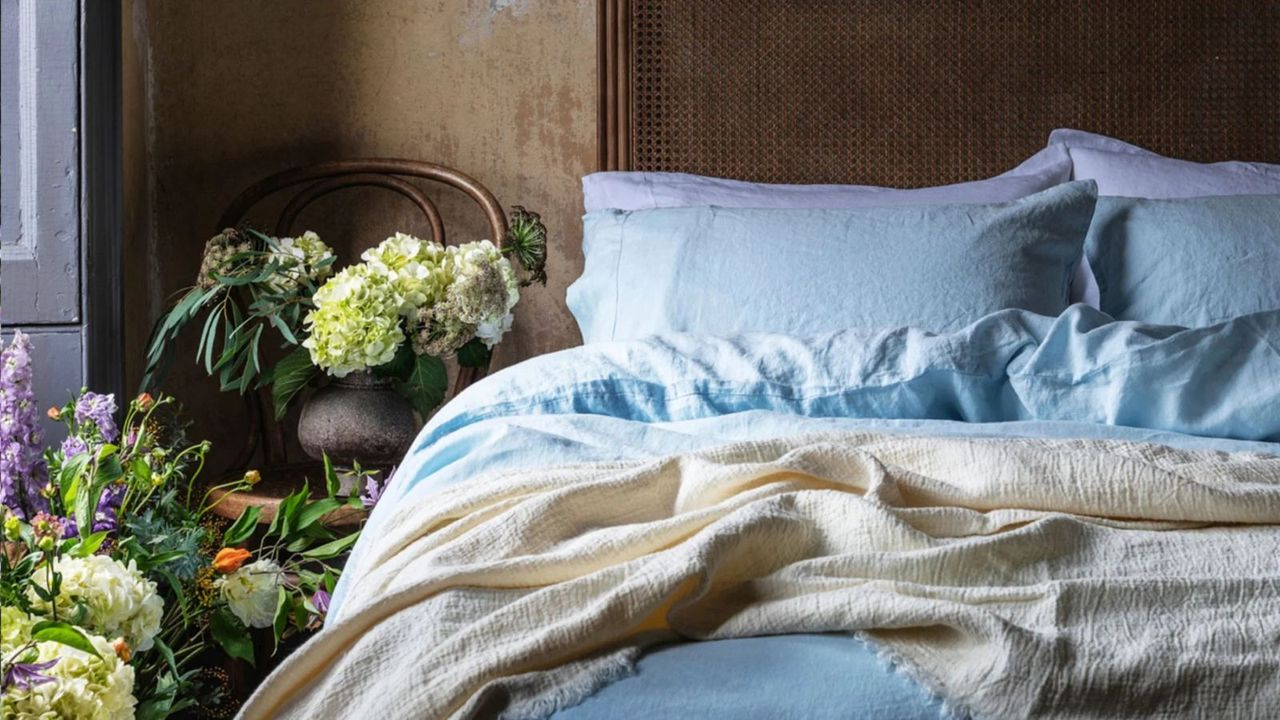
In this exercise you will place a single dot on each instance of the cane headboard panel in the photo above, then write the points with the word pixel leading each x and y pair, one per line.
pixel 924 92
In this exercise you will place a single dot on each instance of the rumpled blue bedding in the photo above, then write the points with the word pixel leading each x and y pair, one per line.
pixel 1012 373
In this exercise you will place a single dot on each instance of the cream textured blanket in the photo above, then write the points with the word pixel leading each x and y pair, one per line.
pixel 1015 578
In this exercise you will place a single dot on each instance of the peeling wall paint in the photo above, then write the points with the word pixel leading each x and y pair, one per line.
pixel 224 93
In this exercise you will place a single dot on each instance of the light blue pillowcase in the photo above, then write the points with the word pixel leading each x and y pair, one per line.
pixel 1190 262
pixel 807 271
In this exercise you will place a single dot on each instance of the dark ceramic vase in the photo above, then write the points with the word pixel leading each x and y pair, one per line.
pixel 358 417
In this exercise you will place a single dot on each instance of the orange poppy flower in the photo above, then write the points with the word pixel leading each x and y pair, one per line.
pixel 229 560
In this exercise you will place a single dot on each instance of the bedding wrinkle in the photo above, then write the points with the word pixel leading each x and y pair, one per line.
pixel 1157 593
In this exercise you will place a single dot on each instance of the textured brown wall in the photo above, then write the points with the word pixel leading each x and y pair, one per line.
pixel 220 94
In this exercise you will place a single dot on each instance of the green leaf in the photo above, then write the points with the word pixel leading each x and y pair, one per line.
pixel 208 338
pixel 332 549
pixel 178 592
pixel 288 377
pixel 86 503
pixel 474 354
pixel 332 483
pixel 242 529
pixel 281 619
pixel 426 385
pixel 283 327
pixel 312 512
pixel 69 477
pixel 65 633
pixel 167 654
pixel 231 635
pixel 286 513
pixel 400 366
pixel 90 545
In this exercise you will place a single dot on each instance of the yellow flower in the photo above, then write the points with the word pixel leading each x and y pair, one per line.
pixel 253 477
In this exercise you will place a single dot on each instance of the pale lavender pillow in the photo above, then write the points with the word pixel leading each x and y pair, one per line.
pixel 649 190
pixel 1125 170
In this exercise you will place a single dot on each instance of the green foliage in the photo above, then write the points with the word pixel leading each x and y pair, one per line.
pixel 65 633
pixel 231 635
pixel 426 385
pixel 526 241
pixel 259 289
pixel 474 354
pixel 288 378
pixel 242 529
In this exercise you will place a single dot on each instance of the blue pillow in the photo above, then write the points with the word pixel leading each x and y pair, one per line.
pixel 726 271
pixel 1190 262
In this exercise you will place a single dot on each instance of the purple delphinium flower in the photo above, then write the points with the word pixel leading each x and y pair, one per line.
pixel 73 446
pixel 99 410
pixel 22 469
pixel 26 675
pixel 104 516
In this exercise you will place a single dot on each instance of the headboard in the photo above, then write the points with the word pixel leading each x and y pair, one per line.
pixel 924 92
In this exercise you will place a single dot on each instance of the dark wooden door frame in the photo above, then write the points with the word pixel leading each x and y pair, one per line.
pixel 101 214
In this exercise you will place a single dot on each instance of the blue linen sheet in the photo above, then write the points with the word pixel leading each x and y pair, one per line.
pixel 1012 373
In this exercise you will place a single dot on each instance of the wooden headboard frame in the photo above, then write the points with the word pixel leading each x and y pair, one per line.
pixel 929 91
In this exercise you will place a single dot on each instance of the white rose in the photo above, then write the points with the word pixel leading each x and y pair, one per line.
pixel 250 592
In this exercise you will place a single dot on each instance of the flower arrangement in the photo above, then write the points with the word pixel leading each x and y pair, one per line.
pixel 407 306
pixel 118 583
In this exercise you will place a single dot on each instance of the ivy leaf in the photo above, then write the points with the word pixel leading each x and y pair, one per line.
pixel 426 385
pixel 474 354
pixel 231 635
pixel 65 633
pixel 288 377
pixel 243 527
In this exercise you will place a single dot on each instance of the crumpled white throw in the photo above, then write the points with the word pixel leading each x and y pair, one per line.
pixel 1015 578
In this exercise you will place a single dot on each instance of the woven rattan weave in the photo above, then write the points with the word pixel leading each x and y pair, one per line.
pixel 928 91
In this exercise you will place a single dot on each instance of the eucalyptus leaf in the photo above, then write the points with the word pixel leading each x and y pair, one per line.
pixel 288 377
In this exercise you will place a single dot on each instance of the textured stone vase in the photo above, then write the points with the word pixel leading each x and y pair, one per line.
pixel 358 417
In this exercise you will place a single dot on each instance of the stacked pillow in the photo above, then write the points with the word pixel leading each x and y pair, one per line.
pixel 1170 241
pixel 1177 242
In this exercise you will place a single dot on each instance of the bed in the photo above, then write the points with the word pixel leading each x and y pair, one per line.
pixel 1018 464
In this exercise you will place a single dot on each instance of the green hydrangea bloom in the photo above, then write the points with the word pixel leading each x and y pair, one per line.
pixel 356 322
pixel 84 686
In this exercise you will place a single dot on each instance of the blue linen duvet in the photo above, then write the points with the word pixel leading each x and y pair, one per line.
pixel 1011 373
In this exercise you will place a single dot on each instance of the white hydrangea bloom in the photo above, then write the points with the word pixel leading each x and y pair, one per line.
pixel 119 601
pixel 355 324
pixel 416 268
pixel 84 686
pixel 473 297
pixel 301 257
pixel 250 592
